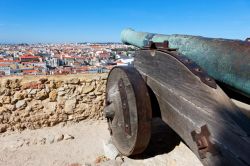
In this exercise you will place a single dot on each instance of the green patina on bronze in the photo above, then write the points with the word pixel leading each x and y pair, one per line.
pixel 227 61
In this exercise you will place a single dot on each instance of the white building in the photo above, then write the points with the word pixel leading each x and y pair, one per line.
pixel 123 60
pixel 5 69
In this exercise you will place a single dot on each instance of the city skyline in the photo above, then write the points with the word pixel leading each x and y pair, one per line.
pixel 67 21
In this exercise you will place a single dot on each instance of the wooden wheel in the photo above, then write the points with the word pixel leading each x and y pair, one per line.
pixel 128 110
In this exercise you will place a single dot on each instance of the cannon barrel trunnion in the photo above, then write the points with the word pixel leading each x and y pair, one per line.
pixel 190 102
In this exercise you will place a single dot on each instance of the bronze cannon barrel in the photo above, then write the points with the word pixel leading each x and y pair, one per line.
pixel 227 61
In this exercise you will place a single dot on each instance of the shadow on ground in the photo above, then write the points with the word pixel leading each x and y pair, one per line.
pixel 163 140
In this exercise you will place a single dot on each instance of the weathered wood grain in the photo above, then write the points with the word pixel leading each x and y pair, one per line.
pixel 187 104
pixel 131 125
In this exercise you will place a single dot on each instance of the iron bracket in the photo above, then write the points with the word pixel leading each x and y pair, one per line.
pixel 125 107
pixel 203 143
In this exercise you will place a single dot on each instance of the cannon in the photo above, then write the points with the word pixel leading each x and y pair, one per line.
pixel 193 79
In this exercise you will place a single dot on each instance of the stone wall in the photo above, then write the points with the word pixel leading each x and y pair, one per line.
pixel 35 102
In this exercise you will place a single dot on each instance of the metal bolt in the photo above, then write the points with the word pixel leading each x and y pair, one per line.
pixel 124 105
pixel 126 128
pixel 198 69
pixel 187 60
pixel 208 79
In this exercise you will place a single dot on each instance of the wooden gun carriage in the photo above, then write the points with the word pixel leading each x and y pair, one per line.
pixel 190 97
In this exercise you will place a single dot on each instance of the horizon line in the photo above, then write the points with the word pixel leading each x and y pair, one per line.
pixel 31 43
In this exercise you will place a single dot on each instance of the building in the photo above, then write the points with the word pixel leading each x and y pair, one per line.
pixel 5 70
pixel 53 62
pixel 29 58
pixel 68 60
pixel 123 60
pixel 42 59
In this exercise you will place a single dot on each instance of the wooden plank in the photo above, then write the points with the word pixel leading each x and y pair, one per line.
pixel 131 124
pixel 187 104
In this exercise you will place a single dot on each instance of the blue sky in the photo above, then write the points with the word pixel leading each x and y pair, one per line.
pixel 35 21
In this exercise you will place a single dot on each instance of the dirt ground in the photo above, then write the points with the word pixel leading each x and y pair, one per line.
pixel 83 144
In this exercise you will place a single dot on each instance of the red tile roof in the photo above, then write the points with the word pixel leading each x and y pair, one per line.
pixel 28 56
pixel 68 57
pixel 4 65
pixel 30 71
pixel 9 61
